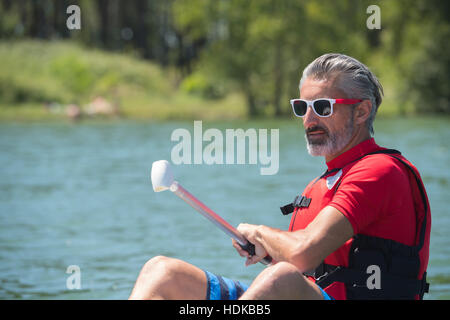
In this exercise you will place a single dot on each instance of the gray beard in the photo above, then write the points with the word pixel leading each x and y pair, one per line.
pixel 333 143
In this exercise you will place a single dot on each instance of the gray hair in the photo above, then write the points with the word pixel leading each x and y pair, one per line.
pixel 352 77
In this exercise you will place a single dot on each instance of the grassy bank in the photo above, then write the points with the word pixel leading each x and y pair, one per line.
pixel 40 80
pixel 46 81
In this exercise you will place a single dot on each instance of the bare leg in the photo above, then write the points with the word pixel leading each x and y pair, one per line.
pixel 168 278
pixel 282 281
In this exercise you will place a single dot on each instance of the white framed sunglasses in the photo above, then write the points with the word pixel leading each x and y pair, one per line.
pixel 323 107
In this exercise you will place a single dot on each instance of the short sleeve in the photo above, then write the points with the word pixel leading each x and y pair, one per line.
pixel 369 189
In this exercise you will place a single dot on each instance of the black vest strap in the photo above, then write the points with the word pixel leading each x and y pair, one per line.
pixel 287 209
pixel 393 286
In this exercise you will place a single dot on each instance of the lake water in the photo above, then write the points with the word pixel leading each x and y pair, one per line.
pixel 80 195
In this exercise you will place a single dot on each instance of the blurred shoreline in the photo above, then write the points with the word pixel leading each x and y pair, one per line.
pixel 58 80
pixel 62 80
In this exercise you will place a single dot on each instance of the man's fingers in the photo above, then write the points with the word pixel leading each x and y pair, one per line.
pixel 252 260
pixel 239 249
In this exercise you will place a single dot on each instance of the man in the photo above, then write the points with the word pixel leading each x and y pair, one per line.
pixel 359 231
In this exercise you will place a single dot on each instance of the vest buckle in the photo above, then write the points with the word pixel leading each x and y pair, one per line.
pixel 302 202
pixel 299 202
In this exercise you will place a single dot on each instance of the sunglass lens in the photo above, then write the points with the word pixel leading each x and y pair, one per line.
pixel 300 107
pixel 322 107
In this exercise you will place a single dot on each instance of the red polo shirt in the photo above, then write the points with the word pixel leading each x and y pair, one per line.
pixel 373 193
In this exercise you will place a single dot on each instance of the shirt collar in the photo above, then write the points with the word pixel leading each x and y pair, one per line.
pixel 354 153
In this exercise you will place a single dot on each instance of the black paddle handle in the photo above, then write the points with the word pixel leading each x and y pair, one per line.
pixel 250 248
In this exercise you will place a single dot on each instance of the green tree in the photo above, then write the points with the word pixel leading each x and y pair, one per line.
pixel 261 46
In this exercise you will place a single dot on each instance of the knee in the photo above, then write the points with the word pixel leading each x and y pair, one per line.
pixel 160 265
pixel 280 281
pixel 282 269
pixel 156 279
pixel 280 274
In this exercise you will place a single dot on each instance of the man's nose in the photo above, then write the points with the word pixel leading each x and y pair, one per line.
pixel 310 117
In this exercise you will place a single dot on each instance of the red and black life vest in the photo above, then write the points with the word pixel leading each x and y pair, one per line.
pixel 402 267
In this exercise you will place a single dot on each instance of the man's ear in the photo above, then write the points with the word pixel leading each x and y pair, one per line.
pixel 362 111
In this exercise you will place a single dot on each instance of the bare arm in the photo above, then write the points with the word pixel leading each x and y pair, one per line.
pixel 305 248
